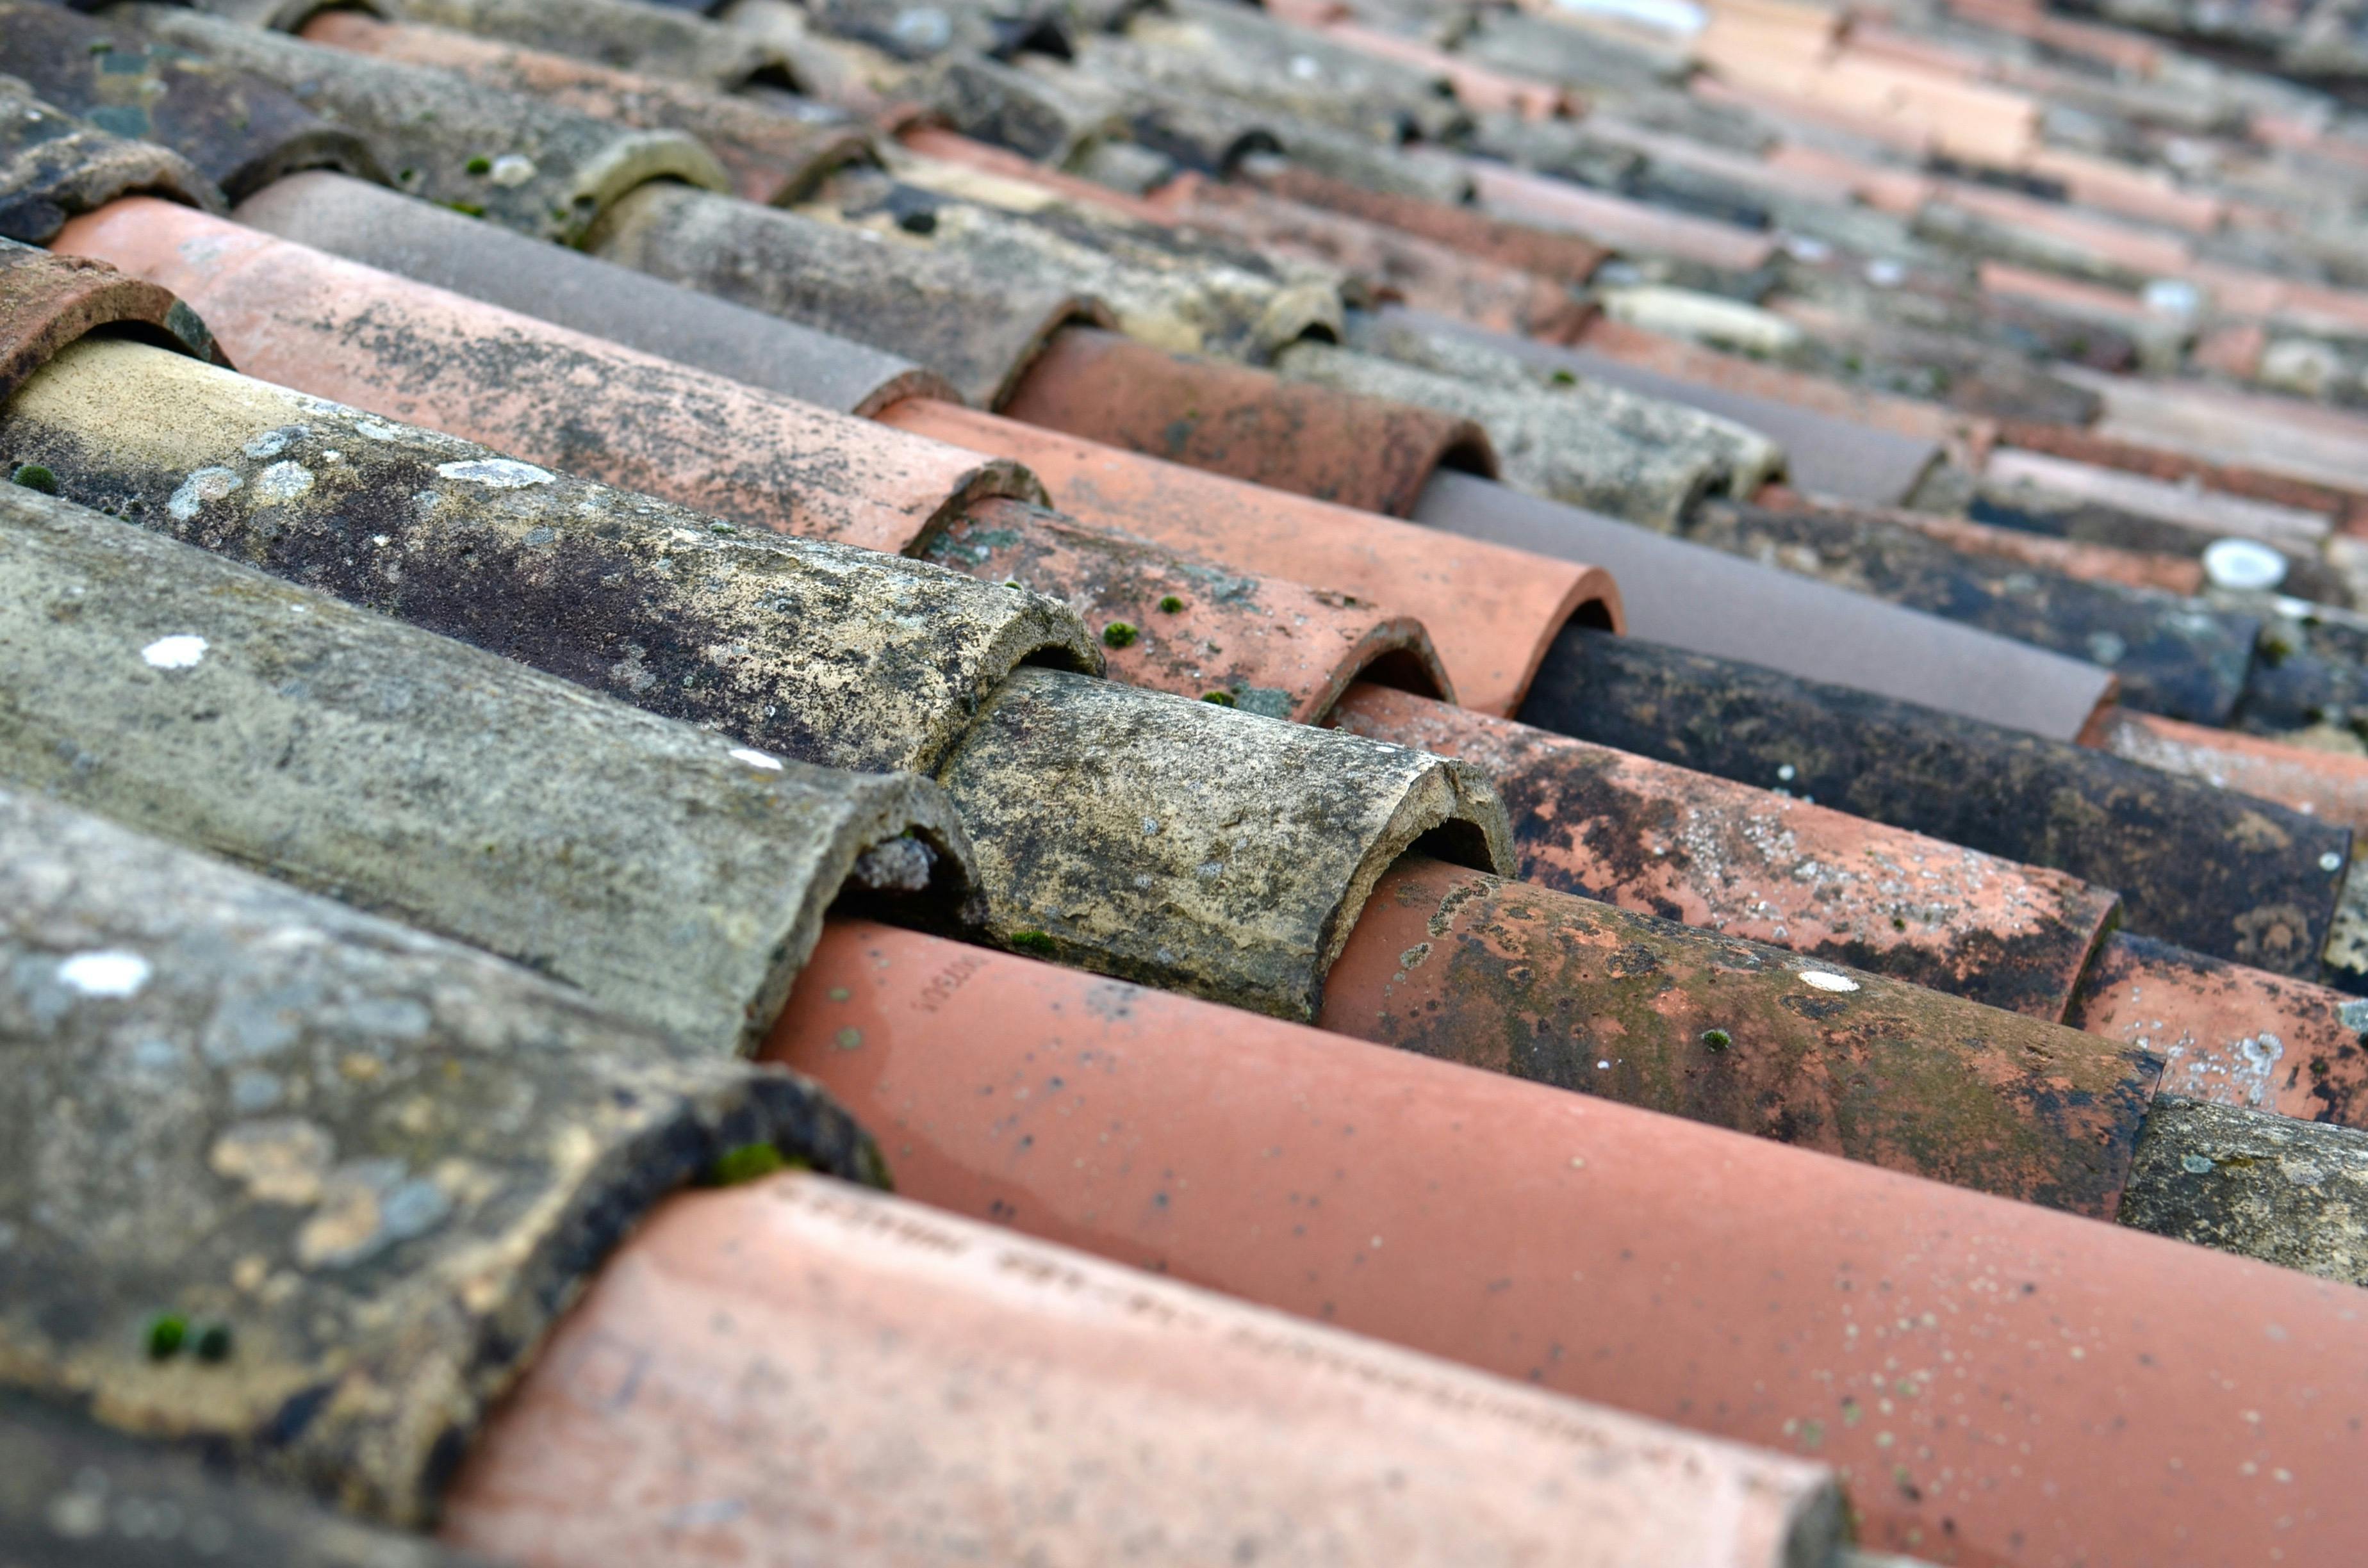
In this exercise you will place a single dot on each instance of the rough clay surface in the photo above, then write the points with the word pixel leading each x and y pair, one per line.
pixel 47 302
pixel 2218 873
pixel 1194 848
pixel 1746 459
pixel 379 1164
pixel 1730 858
pixel 934 307
pixel 516 161
pixel 1175 291
pixel 539 390
pixel 1563 454
pixel 2259 1184
pixel 661 41
pixel 1266 645
pixel 429 245
pixel 677 876
pixel 833 655
pixel 1564 990
pixel 2175 658
pixel 771 156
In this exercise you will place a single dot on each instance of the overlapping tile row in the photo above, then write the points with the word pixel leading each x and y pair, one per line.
pixel 1352 346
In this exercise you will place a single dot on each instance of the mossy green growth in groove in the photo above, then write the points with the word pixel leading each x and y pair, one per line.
pixel 746 1163
pixel 166 1334
pixel 33 476
pixel 1035 942
pixel 1120 635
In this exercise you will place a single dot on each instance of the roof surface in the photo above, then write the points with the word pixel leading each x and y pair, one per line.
pixel 1662 701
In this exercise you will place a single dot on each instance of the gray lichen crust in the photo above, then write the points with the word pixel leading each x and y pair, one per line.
pixel 517 161
pixel 935 308
pixel 677 876
pixel 658 39
pixel 842 657
pixel 302 1185
pixel 55 166
pixel 1193 847
pixel 1746 458
pixel 74 1494
pixel 1563 453
pixel 240 131
pixel 2288 1192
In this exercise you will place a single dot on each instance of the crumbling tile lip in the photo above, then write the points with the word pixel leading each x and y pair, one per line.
pixel 47 302
pixel 772 159
pixel 1490 611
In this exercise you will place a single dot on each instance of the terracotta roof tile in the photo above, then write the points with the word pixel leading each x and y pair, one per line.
pixel 2258 885
pixel 1544 1249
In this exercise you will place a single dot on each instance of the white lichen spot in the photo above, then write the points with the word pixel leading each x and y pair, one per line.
pixel 205 484
pixel 180 652
pixel 271 443
pixel 1788 773
pixel 110 974
pixel 513 168
pixel 498 473
pixel 376 430
pixel 1825 980
pixel 755 759
pixel 2330 861
pixel 282 482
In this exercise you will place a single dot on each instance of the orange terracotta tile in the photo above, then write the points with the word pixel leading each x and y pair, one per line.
pixel 1720 856
pixel 2229 1034
pixel 1180 627
pixel 1492 613
pixel 1732 1284
pixel 405 351
pixel 798 1371
pixel 2091 562
pixel 1230 419
pixel 2325 784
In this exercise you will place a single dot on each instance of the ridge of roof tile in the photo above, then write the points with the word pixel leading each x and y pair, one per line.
pixel 444 1233
pixel 2217 873
pixel 249 716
